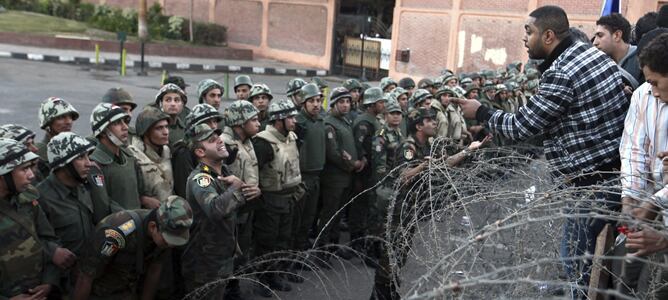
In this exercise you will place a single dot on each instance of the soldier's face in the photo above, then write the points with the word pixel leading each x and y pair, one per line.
pixel 252 126
pixel 389 88
pixel 30 144
pixel 425 104
pixel 473 94
pixel 127 108
pixel 82 165
pixel 313 105
pixel 261 102
pixel 156 236
pixel 213 97
pixel 445 100
pixel 214 148
pixel 61 124
pixel 212 123
pixel 23 176
pixel 429 127
pixel 290 123
pixel 242 92
pixel 533 40
pixel 452 83
pixel 119 129
pixel 379 107
pixel 172 104
pixel 343 106
pixel 158 134
pixel 355 94
pixel 393 119
pixel 403 101
pixel 490 94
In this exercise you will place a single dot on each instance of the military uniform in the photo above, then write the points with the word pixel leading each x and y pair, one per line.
pixel 176 123
pixel 450 120
pixel 122 175
pixel 257 90
pixel 50 109
pixel 386 143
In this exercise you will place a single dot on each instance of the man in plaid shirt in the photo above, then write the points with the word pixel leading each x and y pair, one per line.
pixel 580 107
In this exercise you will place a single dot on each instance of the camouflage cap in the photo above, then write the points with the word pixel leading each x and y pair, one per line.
pixel 425 83
pixel 407 83
pixel 16 132
pixel 174 217
pixel 201 113
pixel 351 84
pixel 65 147
pixel 104 114
pixel 147 118
pixel 387 81
pixel 242 80
pixel 372 95
pixel 309 91
pixel 281 109
pixel 415 116
pixel 13 154
pixel 295 85
pixel 207 85
pixel 419 96
pixel 118 96
pixel 338 93
pixel 170 88
pixel 178 80
pixel 392 106
pixel 52 108
pixel 260 89
pixel 319 82
pixel 200 132
pixel 239 112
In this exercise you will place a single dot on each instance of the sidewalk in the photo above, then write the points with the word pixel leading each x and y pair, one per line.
pixel 170 63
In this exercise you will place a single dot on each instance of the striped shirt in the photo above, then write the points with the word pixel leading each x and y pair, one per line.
pixel 580 107
pixel 645 135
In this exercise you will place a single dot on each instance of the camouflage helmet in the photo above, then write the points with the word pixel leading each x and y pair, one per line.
pixel 104 114
pixel 281 109
pixel 118 96
pixel 178 80
pixel 309 91
pixel 419 96
pixel 351 84
pixel 501 88
pixel 260 89
pixel 387 81
pixel 446 72
pixel 239 112
pixel 398 92
pixel 488 85
pixel 175 217
pixel 425 83
pixel 13 154
pixel 65 147
pixel 242 80
pixel 207 85
pixel 295 85
pixel 365 86
pixel 392 106
pixel 199 133
pixel 170 88
pixel 445 90
pixel 406 83
pixel 460 91
pixel 533 84
pixel 200 113
pixel 471 87
pixel 319 82
pixel 338 93
pixel 16 132
pixel 448 78
pixel 417 115
pixel 147 118
pixel 474 75
pixel 512 86
pixel 373 95
pixel 532 74
pixel 465 81
pixel 438 81
pixel 54 107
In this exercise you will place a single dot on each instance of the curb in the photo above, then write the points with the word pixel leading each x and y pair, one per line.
pixel 165 65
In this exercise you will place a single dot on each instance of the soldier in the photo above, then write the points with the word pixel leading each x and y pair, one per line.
pixel 451 81
pixel 449 119
pixel 516 95
pixel 472 91
pixel 131 245
pixel 124 100
pixel 242 86
pixel 402 96
pixel 341 160
pixel 183 161
pixel 294 90
pixel 476 79
pixel 488 92
pixel 21 134
pixel 387 84
pixel 260 96
pixel 171 100
pixel 121 173
pixel 178 80
pixel 280 182
pixel 407 84
pixel 214 195
pixel 73 196
pixel 27 238
pixel 364 128
pixel 55 116
pixel 531 88
pixel 210 92
pixel 241 124
pixel 153 156
pixel 355 88
pixel 322 85
pixel 414 156
pixel 421 98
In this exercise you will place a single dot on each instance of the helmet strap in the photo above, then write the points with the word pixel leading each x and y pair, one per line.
pixel 116 141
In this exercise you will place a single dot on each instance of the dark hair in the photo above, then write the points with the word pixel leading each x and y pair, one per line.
pixel 553 18
pixel 645 24
pixel 614 22
pixel 579 35
pixel 662 18
pixel 655 55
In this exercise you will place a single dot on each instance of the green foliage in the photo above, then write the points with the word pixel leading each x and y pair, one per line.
pixel 209 34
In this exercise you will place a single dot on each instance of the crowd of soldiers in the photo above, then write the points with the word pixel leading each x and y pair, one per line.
pixel 192 196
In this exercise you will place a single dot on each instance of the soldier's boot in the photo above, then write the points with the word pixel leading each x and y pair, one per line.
pixel 233 290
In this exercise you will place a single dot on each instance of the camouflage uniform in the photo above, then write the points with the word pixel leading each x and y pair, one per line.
pixel 356 107
pixel 450 120
pixel 24 136
pixel 404 112
pixel 210 253
pixel 121 173
pixel 49 110
pixel 205 86
pixel 155 166
pixel 294 90
pixel 421 95
pixel 386 84
pixel 27 240
pixel 257 90
pixel 242 80
pixel 176 124
pixel 178 81
pixel 119 96
pixel 121 250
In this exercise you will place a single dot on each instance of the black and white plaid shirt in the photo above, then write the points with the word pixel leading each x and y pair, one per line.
pixel 580 106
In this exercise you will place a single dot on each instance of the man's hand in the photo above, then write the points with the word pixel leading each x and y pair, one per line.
pixel 359 165
pixel 475 145
pixel 63 258
pixel 149 202
pixel 40 291
pixel 647 241
pixel 251 191
pixel 232 181
pixel 27 297
pixel 469 107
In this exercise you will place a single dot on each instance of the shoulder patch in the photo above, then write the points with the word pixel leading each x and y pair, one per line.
pixel 113 241
pixel 128 227
pixel 330 135
pixel 98 179
pixel 203 179
pixel 408 154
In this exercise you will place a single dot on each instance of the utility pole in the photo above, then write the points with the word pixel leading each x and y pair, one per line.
pixel 142 33
pixel 190 19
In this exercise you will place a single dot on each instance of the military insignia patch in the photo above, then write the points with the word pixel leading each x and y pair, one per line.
pixel 108 249
pixel 330 135
pixel 113 240
pixel 408 154
pixel 98 180
pixel 128 227
pixel 203 180
pixel 379 148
